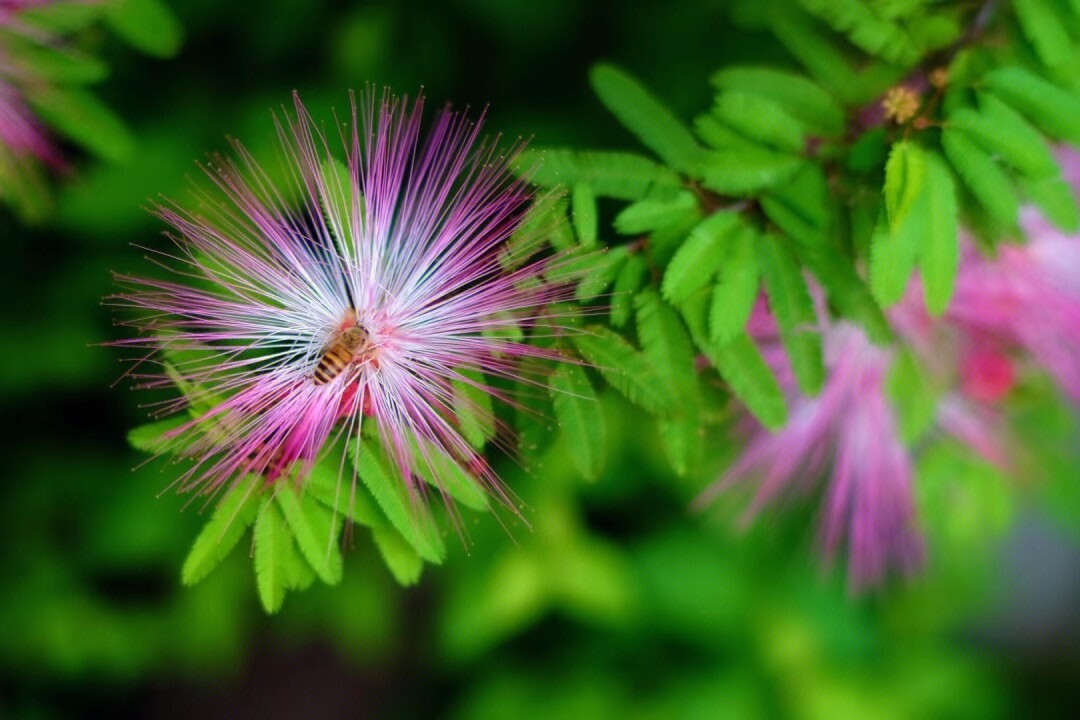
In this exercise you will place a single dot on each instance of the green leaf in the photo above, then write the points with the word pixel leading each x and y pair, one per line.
pixel 817 52
pixel 666 345
pixel 698 258
pixel 791 304
pixel 148 25
pixel 869 152
pixel 627 282
pixel 681 437
pixel 664 242
pixel 401 559
pixel 315 529
pixel 81 117
pixel 233 515
pixel 904 173
pixel 337 198
pixel 61 18
pixel 695 312
pixel 866 29
pixel 533 420
pixel 326 484
pixel 580 417
pixel 894 245
pixel 405 510
pixel 985 179
pixel 152 438
pixel 299 575
pixel 201 403
pixel 736 288
pixel 892 259
pixel 720 136
pixel 273 547
pixel 1001 130
pixel 746 171
pixel 1044 29
pixel 939 256
pixel 748 375
pixel 627 370
pixel 761 120
pixel 583 202
pixel 474 409
pixel 827 63
pixel 1057 199
pixel 597 270
pixel 652 213
pixel 804 210
pixel 623 176
pixel 800 97
pixel 544 221
pixel 592 270
pixel 740 363
pixel 1055 110
pixel 508 329
pixel 938 30
pixel 197 399
pixel 653 124
pixel 846 290
pixel 449 477
pixel 58 64
pixel 912 396
pixel 804 207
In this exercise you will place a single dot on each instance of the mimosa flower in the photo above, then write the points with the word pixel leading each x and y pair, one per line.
pixel 364 288
pixel 846 434
pixel 847 437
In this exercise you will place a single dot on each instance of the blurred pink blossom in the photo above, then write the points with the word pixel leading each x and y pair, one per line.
pixel 1018 308
pixel 1025 300
pixel 847 432
pixel 22 135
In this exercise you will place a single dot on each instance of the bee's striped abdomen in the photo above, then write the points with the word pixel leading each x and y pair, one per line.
pixel 333 361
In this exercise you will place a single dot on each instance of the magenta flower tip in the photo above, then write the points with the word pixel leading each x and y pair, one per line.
pixel 22 136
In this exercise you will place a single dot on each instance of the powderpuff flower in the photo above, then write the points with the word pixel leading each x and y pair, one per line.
pixel 848 437
pixel 848 433
pixel 362 289
pixel 1021 305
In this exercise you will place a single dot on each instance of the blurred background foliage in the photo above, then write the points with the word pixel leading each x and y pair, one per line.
pixel 618 602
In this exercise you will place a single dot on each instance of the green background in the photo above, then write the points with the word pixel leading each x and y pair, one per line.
pixel 619 602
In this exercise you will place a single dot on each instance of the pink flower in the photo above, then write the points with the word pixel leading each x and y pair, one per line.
pixel 22 135
pixel 847 437
pixel 848 434
pixel 402 246
pixel 987 374
pixel 1069 159
pixel 1027 298
pixel 1017 308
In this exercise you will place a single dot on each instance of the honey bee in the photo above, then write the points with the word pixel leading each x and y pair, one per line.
pixel 350 343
